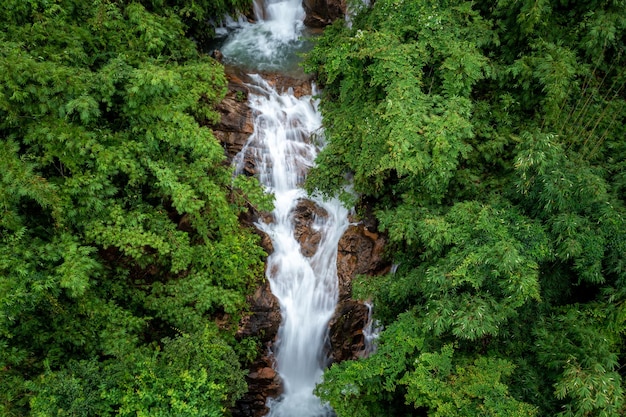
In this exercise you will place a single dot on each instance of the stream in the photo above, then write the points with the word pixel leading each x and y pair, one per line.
pixel 305 284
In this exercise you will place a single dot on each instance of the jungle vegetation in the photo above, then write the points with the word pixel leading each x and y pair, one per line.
pixel 488 140
pixel 123 267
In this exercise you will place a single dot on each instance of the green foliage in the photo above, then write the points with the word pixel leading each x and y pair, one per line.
pixel 487 139
pixel 582 342
pixel 194 375
pixel 409 123
pixel 471 390
pixel 438 380
pixel 200 16
pixel 118 216
pixel 478 265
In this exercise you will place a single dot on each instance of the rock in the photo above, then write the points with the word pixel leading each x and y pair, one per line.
pixel 264 318
pixel 263 381
pixel 184 224
pixel 266 373
pixel 266 242
pixel 360 252
pixel 233 143
pixel 217 55
pixel 301 86
pixel 236 122
pixel 305 214
pixel 346 330
pixel 320 13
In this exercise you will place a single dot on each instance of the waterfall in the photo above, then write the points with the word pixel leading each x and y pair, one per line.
pixel 305 284
pixel 371 331
pixel 273 42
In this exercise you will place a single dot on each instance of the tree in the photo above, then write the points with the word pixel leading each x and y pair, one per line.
pixel 119 218
pixel 487 141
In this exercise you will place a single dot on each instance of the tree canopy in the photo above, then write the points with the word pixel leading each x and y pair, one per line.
pixel 123 266
pixel 488 140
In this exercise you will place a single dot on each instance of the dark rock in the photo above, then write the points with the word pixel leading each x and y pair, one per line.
pixel 184 224
pixel 266 242
pixel 263 381
pixel 236 122
pixel 264 318
pixel 360 252
pixel 300 86
pixel 305 214
pixel 217 55
pixel 346 330
pixel 320 13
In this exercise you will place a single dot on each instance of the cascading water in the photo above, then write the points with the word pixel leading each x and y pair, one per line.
pixel 273 42
pixel 306 286
pixel 371 331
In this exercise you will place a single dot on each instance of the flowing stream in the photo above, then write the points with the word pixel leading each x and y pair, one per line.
pixel 306 286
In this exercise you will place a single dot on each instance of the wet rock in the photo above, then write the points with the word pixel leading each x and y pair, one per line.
pixel 217 55
pixel 320 13
pixel 236 122
pixel 305 215
pixel 264 318
pixel 301 86
pixel 360 252
pixel 263 381
pixel 266 242
pixel 346 330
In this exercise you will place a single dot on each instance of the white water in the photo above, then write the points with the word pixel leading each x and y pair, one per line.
pixel 371 331
pixel 272 42
pixel 306 287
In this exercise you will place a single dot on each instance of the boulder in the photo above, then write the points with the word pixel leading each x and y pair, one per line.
pixel 263 381
pixel 264 318
pixel 346 330
pixel 360 252
pixel 305 214
pixel 236 121
pixel 300 86
pixel 320 13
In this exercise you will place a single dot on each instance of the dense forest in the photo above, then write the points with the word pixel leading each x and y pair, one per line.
pixel 123 267
pixel 488 139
